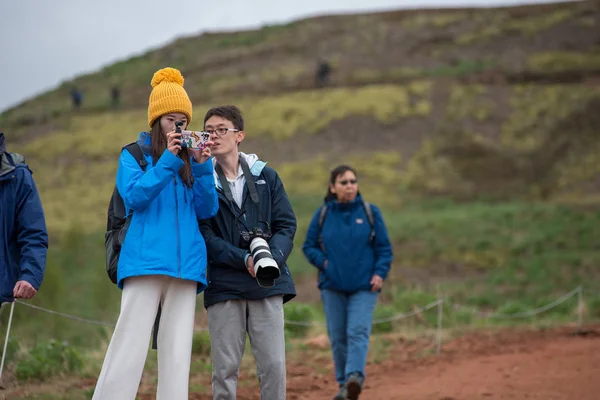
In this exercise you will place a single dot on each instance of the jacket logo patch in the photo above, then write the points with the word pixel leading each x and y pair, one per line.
pixel 359 220
pixel 261 182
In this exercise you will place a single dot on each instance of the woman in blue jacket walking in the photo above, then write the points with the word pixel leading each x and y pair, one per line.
pixel 163 257
pixel 353 259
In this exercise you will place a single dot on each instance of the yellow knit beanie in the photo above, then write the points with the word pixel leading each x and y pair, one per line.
pixel 168 95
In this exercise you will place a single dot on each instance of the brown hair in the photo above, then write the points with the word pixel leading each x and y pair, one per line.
pixel 159 144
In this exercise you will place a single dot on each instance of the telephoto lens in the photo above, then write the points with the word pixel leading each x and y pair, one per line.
pixel 265 267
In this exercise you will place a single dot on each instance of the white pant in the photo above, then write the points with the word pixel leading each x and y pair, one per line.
pixel 126 355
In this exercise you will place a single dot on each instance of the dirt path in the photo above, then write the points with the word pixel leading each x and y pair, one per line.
pixel 564 369
pixel 509 365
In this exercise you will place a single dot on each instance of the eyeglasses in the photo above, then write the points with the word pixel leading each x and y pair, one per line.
pixel 347 181
pixel 220 131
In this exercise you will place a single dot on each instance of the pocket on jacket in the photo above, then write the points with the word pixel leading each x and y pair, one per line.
pixel 332 276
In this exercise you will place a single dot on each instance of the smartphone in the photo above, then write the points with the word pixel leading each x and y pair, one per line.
pixel 194 139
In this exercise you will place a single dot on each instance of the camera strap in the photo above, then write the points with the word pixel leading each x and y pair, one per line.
pixel 249 181
pixel 224 183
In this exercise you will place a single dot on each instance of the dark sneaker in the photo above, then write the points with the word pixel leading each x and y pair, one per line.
pixel 354 386
pixel 342 394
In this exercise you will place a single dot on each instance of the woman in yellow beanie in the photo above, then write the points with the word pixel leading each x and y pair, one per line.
pixel 163 257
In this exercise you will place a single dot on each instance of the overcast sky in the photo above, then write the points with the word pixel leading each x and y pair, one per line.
pixel 45 42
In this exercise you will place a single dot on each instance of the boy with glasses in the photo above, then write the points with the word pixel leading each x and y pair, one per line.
pixel 251 196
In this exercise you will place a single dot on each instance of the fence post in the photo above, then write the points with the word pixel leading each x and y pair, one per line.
pixel 12 309
pixel 438 338
pixel 579 308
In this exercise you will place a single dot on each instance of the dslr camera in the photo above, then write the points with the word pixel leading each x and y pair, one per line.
pixel 265 267
pixel 178 125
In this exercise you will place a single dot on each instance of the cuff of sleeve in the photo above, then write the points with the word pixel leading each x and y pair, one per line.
pixel 381 273
pixel 31 280
pixel 246 258
pixel 171 161
pixel 206 168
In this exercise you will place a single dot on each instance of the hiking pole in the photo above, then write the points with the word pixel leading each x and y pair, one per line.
pixel 12 310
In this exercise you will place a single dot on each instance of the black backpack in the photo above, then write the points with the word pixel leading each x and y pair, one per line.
pixel 368 212
pixel 117 222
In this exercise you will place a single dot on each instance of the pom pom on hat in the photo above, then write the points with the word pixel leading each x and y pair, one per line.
pixel 167 75
pixel 168 95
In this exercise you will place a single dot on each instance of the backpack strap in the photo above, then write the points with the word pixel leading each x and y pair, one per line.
pixel 136 151
pixel 322 215
pixel 371 219
pixel 119 206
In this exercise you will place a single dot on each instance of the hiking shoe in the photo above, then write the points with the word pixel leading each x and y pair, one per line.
pixel 342 394
pixel 354 386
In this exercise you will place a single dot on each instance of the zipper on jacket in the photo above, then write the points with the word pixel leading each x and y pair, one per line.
pixel 177 228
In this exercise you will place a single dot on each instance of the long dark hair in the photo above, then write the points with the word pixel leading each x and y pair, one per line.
pixel 159 144
pixel 337 171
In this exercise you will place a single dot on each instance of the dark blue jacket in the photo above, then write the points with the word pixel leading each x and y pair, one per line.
pixel 23 236
pixel 352 259
pixel 228 278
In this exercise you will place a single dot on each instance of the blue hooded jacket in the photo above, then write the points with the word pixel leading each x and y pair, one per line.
pixel 163 237
pixel 352 259
pixel 24 239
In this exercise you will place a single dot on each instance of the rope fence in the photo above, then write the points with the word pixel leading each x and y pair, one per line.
pixel 523 314
pixel 439 304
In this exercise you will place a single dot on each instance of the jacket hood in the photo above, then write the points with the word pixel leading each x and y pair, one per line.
pixel 145 142
pixel 255 164
pixel 6 166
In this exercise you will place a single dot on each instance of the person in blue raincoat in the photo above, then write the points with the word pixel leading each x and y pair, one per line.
pixel 24 239
pixel 353 259
pixel 163 257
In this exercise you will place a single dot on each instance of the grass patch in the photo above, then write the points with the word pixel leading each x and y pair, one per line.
pixel 300 314
pixel 502 23
pixel 201 344
pixel 48 359
pixel 549 62
pixel 537 109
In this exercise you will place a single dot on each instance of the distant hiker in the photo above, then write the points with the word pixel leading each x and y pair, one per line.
pixel 322 73
pixel 163 256
pixel 24 243
pixel 115 95
pixel 348 243
pixel 76 97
